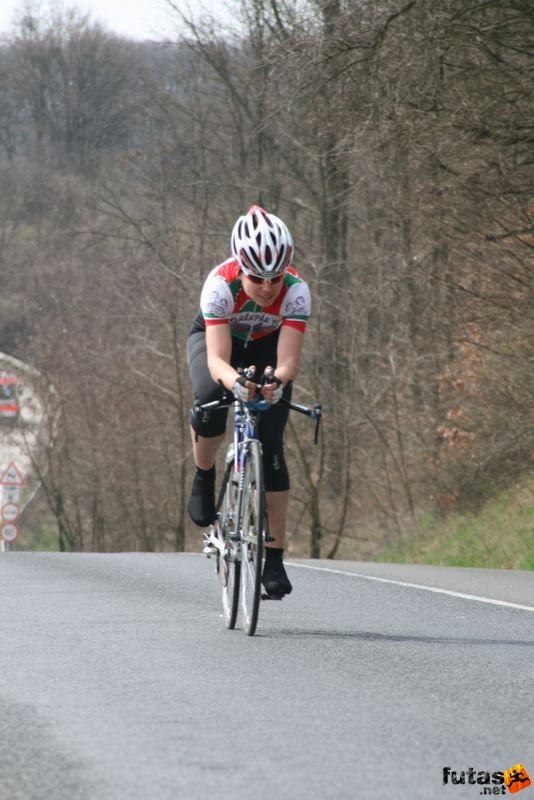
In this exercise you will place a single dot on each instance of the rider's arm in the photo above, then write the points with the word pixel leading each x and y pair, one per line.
pixel 219 347
pixel 288 354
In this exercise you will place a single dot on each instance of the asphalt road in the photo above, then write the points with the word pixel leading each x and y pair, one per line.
pixel 120 682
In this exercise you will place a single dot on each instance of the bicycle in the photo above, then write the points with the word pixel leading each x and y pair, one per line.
pixel 238 536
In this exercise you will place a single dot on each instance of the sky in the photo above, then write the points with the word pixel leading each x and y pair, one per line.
pixel 136 19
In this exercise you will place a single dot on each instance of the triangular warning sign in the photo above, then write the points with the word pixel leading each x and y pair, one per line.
pixel 11 476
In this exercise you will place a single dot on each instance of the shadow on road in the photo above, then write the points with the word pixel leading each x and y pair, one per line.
pixel 369 636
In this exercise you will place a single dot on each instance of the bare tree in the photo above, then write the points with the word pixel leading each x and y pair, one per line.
pixel 75 85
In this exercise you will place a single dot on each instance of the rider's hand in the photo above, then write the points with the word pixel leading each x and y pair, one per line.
pixel 243 389
pixel 272 392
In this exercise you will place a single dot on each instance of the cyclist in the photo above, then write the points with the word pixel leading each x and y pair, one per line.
pixel 253 311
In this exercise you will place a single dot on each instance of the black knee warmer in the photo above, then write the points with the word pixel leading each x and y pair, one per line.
pixel 275 472
pixel 208 423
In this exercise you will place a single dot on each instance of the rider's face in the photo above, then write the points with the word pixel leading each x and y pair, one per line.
pixel 264 293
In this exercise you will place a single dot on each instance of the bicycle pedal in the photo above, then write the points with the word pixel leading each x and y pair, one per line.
pixel 266 596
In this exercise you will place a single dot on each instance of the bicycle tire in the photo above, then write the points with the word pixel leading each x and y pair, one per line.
pixel 252 518
pixel 228 564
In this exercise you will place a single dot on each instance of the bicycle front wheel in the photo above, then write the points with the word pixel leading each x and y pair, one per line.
pixel 228 557
pixel 252 519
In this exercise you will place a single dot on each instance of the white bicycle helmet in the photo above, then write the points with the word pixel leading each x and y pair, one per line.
pixel 261 243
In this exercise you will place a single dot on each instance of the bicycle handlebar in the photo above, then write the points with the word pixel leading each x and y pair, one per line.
pixel 314 412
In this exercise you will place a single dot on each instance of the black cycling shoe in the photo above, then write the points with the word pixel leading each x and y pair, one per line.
pixel 275 580
pixel 201 506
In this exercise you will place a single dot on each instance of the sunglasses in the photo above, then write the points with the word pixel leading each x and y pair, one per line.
pixel 257 280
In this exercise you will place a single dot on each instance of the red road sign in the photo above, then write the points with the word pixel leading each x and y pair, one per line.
pixel 12 476
pixel 10 512
pixel 9 532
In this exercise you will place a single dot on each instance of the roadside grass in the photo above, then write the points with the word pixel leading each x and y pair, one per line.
pixel 42 536
pixel 500 535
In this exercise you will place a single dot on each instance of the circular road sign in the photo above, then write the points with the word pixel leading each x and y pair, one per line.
pixel 9 533
pixel 10 512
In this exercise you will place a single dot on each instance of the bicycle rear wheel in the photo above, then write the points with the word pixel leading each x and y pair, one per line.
pixel 228 564
pixel 252 527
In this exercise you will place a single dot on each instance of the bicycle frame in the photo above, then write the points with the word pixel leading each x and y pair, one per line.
pixel 245 431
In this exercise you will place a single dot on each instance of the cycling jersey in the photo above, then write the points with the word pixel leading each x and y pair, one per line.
pixel 224 301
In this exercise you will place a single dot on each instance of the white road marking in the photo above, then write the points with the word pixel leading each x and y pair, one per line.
pixel 408 585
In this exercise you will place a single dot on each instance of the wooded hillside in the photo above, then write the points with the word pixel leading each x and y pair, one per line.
pixel 395 138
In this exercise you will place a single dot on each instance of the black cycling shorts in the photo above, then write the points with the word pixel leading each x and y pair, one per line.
pixel 262 353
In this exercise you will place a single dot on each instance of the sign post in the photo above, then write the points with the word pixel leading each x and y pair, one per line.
pixel 11 482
